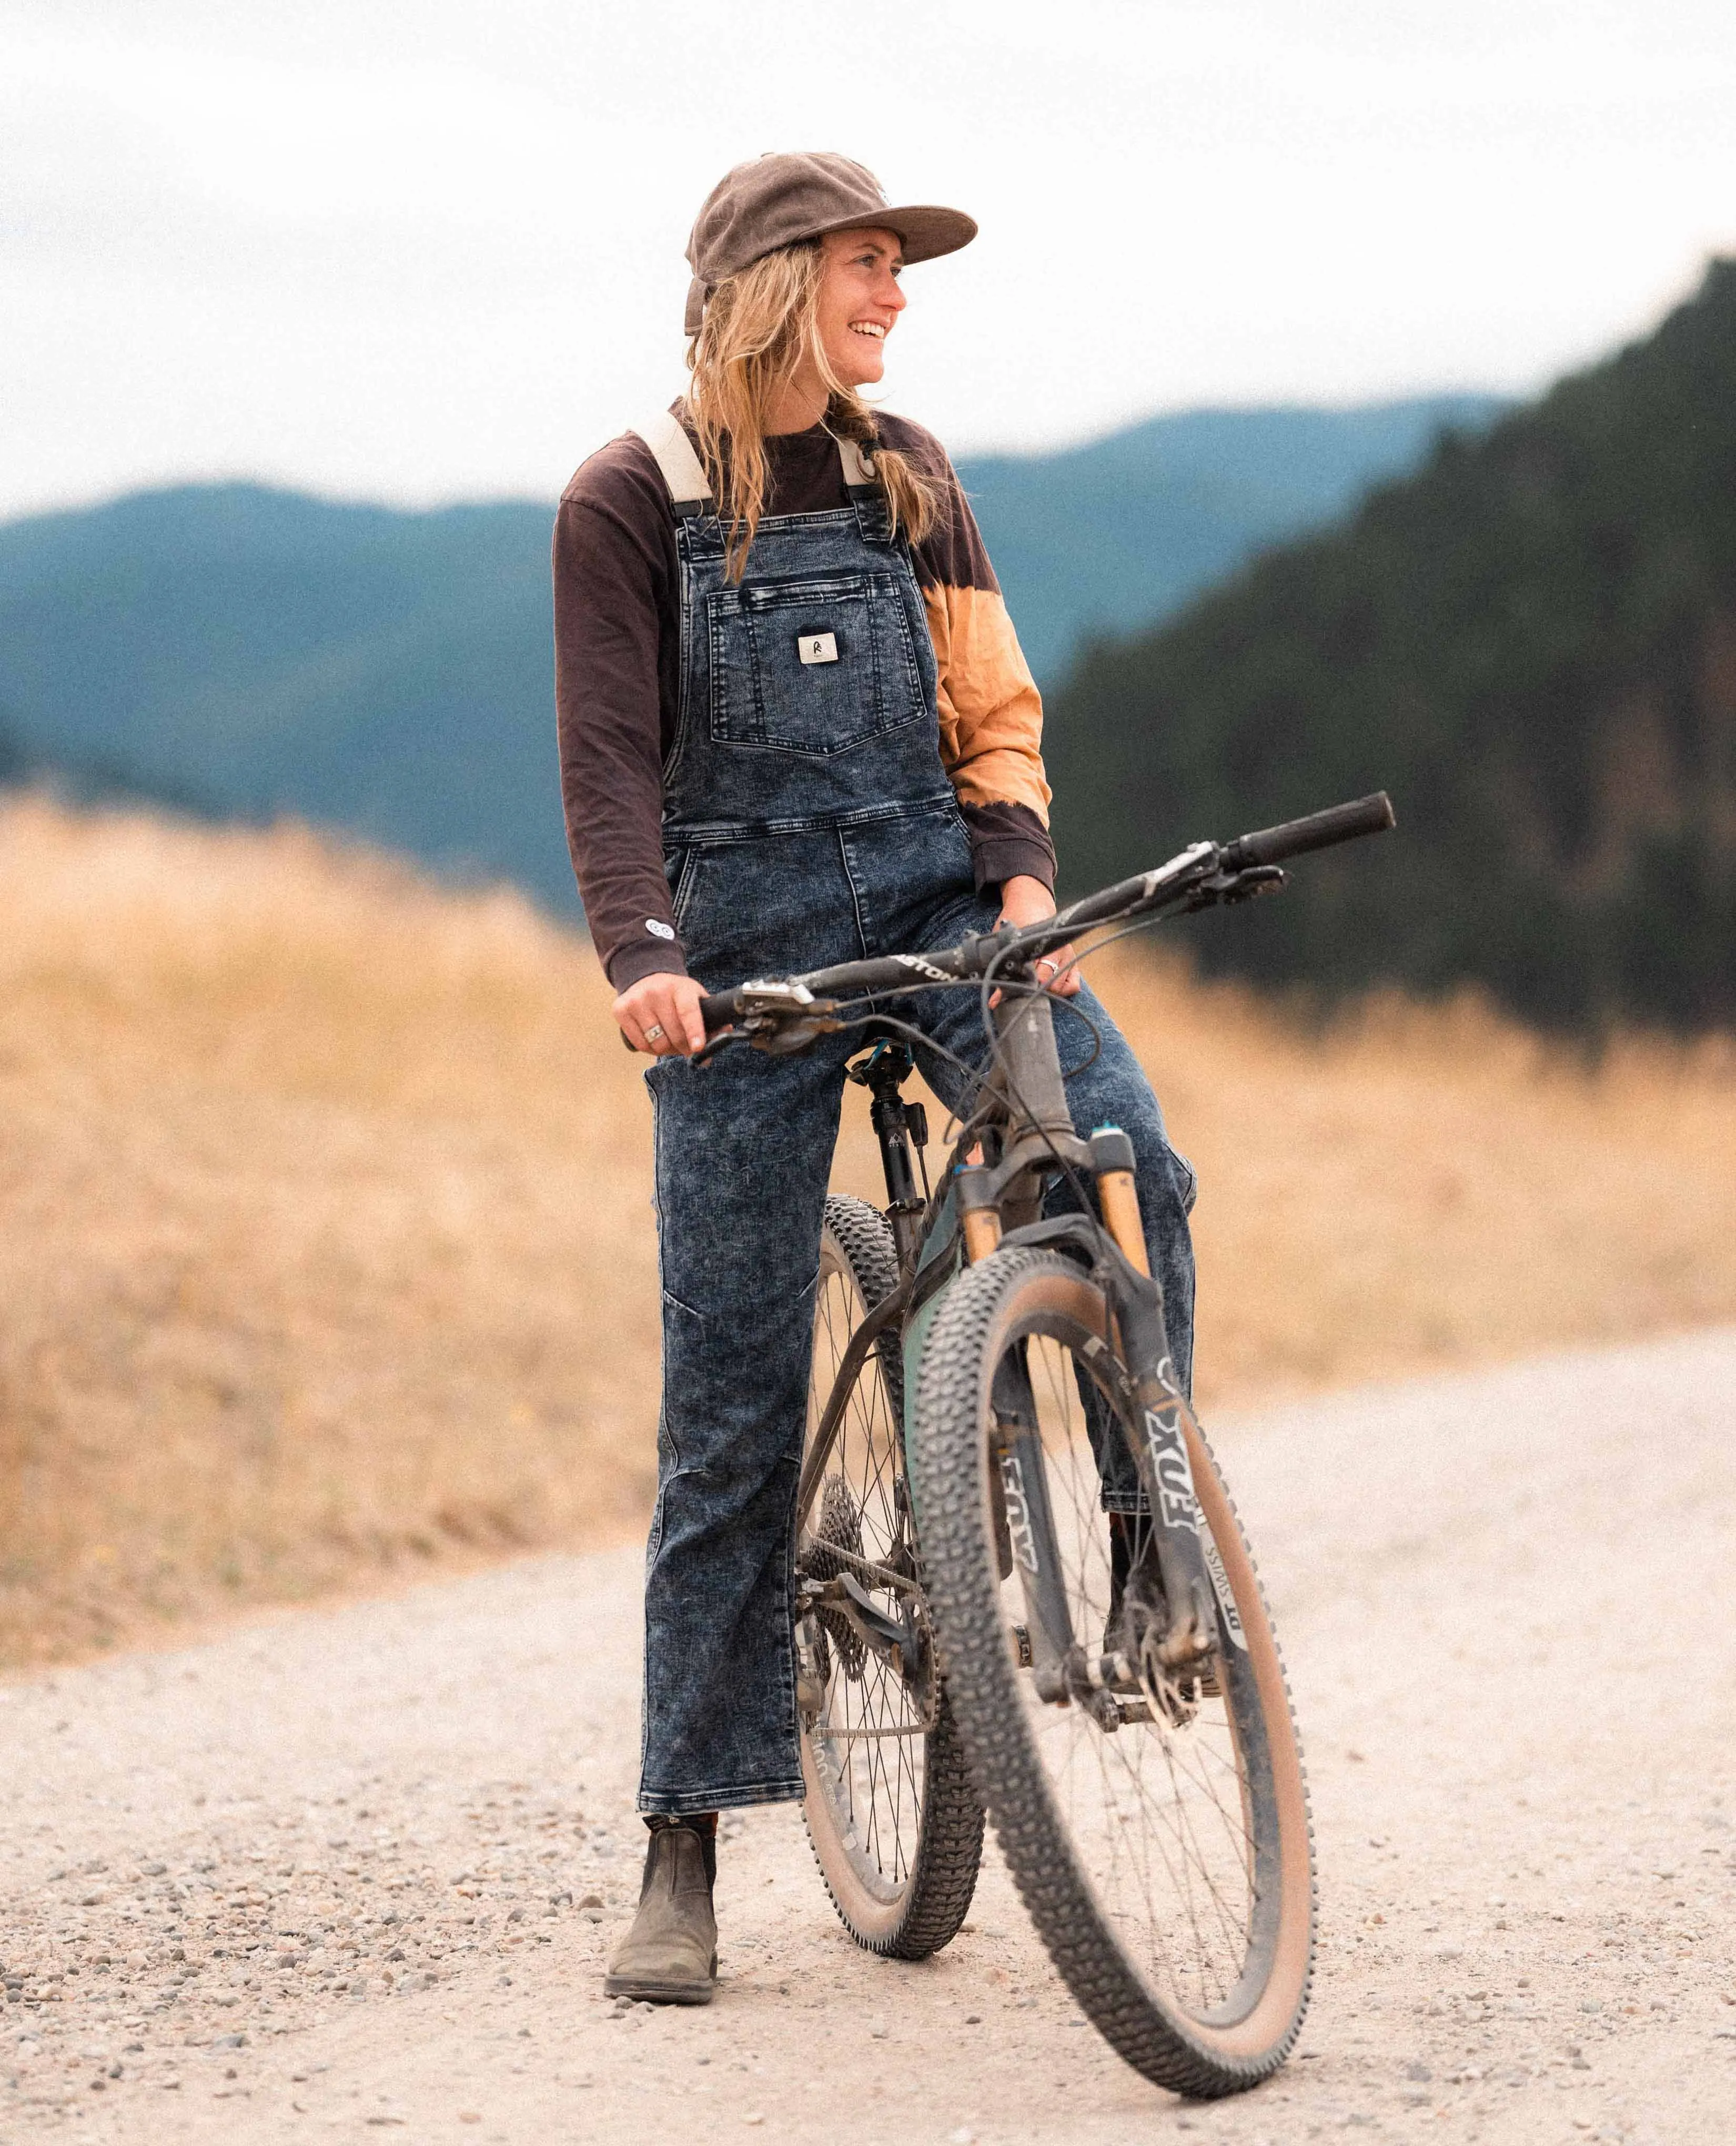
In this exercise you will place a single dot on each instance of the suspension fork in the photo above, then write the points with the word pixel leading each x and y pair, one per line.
pixel 1024 1481
pixel 1196 1585
pixel 1159 1422
pixel 1193 1573
pixel 1035 1092
pixel 1065 1670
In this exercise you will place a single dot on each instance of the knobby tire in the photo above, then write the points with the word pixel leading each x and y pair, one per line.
pixel 1191 2052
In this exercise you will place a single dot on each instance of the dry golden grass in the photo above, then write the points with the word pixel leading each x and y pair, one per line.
pixel 328 1255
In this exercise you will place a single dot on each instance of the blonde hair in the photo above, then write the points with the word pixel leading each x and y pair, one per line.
pixel 759 324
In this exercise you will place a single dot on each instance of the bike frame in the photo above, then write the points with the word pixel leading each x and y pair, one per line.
pixel 1002 1163
pixel 1000 1203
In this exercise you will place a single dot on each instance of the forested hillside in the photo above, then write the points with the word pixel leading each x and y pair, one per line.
pixel 389 673
pixel 1532 643
pixel 1116 534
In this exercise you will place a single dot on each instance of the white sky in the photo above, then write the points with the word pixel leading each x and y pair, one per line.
pixel 421 249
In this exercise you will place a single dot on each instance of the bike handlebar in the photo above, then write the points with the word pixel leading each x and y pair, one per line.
pixel 1318 830
pixel 1198 873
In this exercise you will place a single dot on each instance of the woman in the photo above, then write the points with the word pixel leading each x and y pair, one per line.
pixel 795 728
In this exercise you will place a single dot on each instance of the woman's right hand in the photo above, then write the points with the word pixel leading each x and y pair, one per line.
pixel 660 1014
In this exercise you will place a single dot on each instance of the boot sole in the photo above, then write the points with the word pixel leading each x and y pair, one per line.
pixel 644 1991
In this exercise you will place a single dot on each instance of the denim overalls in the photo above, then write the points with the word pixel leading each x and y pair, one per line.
pixel 807 818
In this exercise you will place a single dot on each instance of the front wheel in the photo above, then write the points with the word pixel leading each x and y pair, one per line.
pixel 1157 1830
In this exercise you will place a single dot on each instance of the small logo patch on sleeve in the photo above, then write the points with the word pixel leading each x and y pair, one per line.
pixel 658 928
pixel 817 647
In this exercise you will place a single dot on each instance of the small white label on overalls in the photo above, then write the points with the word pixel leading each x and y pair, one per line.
pixel 818 647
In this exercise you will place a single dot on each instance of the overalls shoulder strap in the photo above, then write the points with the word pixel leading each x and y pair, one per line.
pixel 858 467
pixel 684 474
pixel 680 467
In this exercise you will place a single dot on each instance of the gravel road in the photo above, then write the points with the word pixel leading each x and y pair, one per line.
pixel 357 1868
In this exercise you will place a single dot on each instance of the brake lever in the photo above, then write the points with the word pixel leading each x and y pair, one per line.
pixel 780 1036
pixel 713 1044
pixel 781 1018
pixel 776 1035
pixel 1233 886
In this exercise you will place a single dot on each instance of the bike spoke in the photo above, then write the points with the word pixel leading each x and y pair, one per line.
pixel 1154 1809
pixel 868 1728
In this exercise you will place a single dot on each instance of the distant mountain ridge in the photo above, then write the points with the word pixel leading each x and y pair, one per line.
pixel 390 672
pixel 385 672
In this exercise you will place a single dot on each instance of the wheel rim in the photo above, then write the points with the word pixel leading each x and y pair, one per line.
pixel 863 1746
pixel 1159 1814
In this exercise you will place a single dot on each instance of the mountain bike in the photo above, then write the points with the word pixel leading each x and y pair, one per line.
pixel 979 1623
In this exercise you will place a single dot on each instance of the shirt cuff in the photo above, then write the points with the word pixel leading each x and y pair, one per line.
pixel 997 858
pixel 627 964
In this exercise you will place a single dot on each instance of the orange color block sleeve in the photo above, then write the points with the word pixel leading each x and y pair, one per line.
pixel 991 713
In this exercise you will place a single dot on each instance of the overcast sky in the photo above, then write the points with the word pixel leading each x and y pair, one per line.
pixel 424 249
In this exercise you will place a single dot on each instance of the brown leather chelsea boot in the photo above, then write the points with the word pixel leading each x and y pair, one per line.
pixel 670 1955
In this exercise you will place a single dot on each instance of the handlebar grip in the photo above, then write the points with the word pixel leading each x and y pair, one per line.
pixel 718 1009
pixel 1318 830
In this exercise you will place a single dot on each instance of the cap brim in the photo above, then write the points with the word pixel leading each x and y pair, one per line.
pixel 927 232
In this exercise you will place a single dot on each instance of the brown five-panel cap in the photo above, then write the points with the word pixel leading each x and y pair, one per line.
pixel 781 200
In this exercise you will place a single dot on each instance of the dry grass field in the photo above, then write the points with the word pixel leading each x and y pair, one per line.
pixel 325 1252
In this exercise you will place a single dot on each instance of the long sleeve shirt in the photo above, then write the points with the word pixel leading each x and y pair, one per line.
pixel 617 679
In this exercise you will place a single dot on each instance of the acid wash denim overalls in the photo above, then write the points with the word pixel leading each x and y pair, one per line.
pixel 807 818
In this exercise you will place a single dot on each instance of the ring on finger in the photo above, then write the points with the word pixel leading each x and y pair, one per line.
pixel 653 1034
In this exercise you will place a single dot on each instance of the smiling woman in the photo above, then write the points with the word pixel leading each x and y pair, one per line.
pixel 783 340
pixel 797 728
pixel 791 340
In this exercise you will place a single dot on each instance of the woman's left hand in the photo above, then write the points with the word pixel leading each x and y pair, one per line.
pixel 1027 900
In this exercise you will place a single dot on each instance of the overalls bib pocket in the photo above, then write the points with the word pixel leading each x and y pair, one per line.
pixel 812 667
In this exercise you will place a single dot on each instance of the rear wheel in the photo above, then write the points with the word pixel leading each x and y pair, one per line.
pixel 1157 1829
pixel 896 1824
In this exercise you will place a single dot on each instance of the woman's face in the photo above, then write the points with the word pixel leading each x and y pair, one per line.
pixel 860 302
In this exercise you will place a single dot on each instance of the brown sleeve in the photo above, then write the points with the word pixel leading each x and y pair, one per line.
pixel 614 591
pixel 991 713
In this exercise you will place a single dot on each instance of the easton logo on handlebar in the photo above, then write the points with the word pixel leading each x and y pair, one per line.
pixel 924 968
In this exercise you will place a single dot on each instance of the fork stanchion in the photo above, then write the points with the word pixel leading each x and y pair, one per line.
pixel 1112 1157
pixel 978 1216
